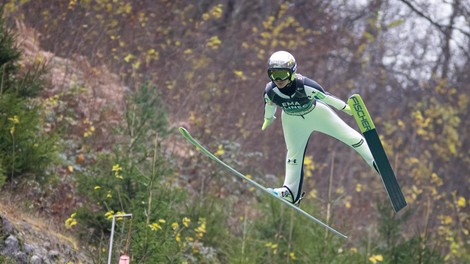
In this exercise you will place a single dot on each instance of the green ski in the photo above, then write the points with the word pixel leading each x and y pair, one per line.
pixel 188 136
pixel 367 127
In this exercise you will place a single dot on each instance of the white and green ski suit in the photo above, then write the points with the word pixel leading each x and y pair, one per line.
pixel 305 109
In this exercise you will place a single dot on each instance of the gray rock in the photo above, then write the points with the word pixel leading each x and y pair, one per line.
pixel 54 255
pixel 7 227
pixel 26 244
pixel 12 245
pixel 22 258
pixel 28 249
pixel 39 251
pixel 35 260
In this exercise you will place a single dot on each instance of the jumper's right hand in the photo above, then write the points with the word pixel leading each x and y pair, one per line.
pixel 267 122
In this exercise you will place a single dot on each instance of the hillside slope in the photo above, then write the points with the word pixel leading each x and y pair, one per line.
pixel 32 223
pixel 31 238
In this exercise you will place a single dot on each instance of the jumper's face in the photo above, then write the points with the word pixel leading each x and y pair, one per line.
pixel 281 83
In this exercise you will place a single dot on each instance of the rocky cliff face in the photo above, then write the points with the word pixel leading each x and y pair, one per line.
pixel 24 239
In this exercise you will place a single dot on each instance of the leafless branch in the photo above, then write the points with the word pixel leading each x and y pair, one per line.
pixel 441 27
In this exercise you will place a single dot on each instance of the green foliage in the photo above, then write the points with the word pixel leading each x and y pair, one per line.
pixel 9 55
pixel 137 177
pixel 25 148
pixel 393 245
pixel 26 85
pixel 289 237
pixel 7 260
pixel 279 235
pixel 3 177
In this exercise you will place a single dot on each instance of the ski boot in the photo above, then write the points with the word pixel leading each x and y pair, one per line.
pixel 286 194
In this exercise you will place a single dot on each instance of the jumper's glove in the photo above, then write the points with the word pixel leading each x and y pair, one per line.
pixel 347 110
pixel 319 95
pixel 267 122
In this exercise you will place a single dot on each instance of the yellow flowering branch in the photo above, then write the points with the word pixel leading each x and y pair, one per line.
pixel 71 221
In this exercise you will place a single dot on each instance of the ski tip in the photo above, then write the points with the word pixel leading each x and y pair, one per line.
pixel 183 131
pixel 355 95
pixel 360 113
pixel 355 99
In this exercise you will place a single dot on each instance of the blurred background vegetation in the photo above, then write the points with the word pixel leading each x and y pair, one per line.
pixel 92 92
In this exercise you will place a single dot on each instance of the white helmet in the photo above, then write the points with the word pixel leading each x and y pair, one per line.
pixel 281 60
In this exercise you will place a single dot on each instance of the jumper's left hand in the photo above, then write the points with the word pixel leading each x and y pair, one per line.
pixel 347 110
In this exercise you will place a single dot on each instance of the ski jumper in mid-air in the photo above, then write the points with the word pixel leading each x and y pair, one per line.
pixel 306 107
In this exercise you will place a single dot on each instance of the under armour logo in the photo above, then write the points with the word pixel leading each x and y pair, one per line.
pixel 293 161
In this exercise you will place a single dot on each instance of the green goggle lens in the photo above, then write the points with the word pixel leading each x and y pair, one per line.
pixel 279 74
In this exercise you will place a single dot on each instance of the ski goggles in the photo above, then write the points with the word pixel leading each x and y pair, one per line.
pixel 279 74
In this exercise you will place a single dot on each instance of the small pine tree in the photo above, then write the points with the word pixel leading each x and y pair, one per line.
pixel 25 148
pixel 9 55
pixel 394 247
